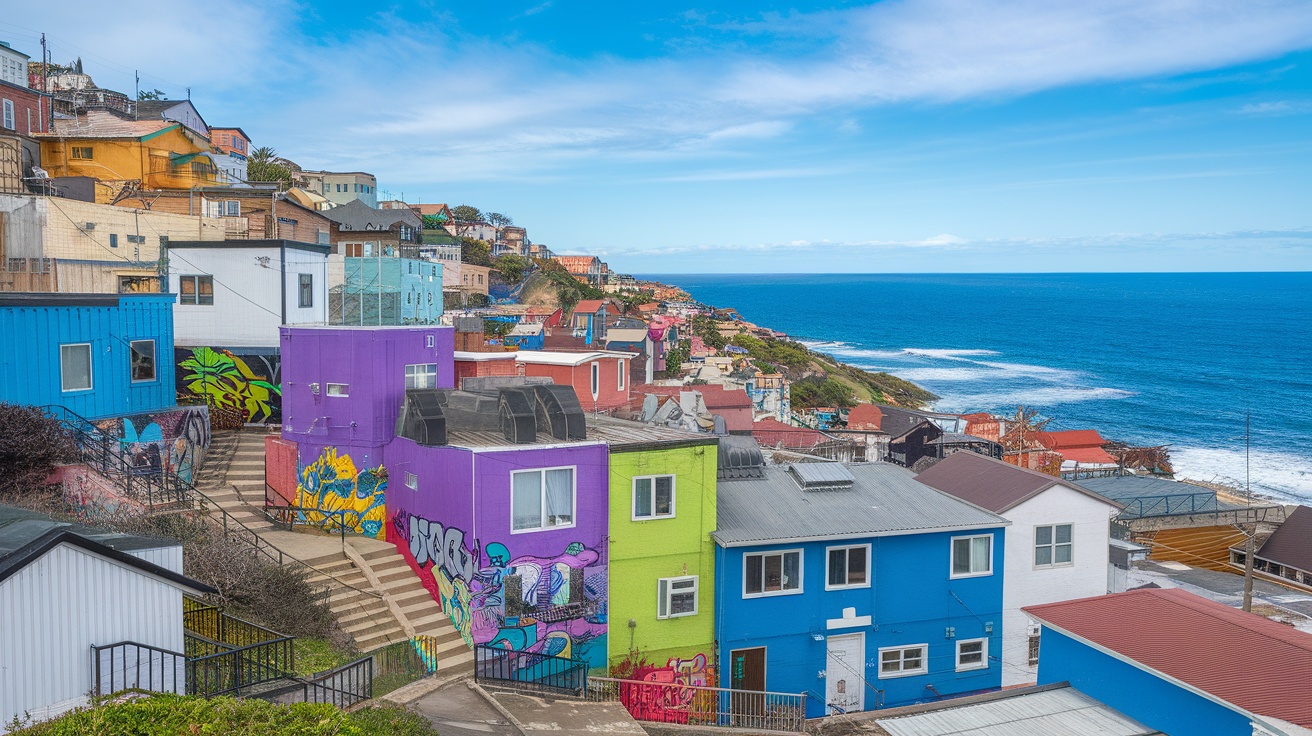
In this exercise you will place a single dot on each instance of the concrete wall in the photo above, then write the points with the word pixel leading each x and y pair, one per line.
pixel 642 552
pixel 1029 586
pixel 911 600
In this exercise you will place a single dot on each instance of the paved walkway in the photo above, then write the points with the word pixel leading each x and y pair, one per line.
pixel 560 716
pixel 457 710
pixel 1269 599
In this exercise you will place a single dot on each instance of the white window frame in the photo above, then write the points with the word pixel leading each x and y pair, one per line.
pixel 848 548
pixel 542 497
pixel 411 481
pixel 342 390
pixel 595 374
pixel 409 374
pixel 154 360
pixel 654 515
pixel 801 572
pixel 91 369
pixel 195 279
pixel 665 593
pixel 619 381
pixel 304 291
pixel 902 671
pixel 10 119
pixel 952 551
pixel 983 651
pixel 1053 545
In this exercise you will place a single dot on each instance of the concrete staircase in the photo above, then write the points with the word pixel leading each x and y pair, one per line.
pixel 376 598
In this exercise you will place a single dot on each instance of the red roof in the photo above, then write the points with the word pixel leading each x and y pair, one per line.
pixel 1244 659
pixel 864 416
pixel 589 306
pixel 770 431
pixel 979 417
pixel 1071 438
pixel 1092 455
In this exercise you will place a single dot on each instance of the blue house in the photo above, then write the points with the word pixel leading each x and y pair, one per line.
pixel 853 584
pixel 99 355
pixel 1179 663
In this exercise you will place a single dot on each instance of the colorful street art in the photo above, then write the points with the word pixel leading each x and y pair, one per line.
pixel 94 498
pixel 228 382
pixel 668 694
pixel 170 441
pixel 543 605
pixel 331 484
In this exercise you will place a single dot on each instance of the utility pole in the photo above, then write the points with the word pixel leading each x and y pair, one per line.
pixel 1248 543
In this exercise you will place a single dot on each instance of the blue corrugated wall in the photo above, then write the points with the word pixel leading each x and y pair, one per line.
pixel 29 359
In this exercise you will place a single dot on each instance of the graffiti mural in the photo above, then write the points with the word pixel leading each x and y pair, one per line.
pixel 667 694
pixel 229 381
pixel 331 484
pixel 544 605
pixel 171 441
pixel 94 498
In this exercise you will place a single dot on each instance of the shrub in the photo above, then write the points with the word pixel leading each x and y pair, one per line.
pixel 31 445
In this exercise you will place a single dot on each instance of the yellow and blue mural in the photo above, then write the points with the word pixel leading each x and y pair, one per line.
pixel 228 382
pixel 332 494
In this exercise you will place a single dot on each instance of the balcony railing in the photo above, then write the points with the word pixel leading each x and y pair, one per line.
pixel 692 705
pixel 541 673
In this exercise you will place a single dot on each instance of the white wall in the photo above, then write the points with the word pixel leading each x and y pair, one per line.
pixel 1024 585
pixel 56 608
pixel 247 291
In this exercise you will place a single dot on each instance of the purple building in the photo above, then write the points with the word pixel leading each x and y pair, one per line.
pixel 495 494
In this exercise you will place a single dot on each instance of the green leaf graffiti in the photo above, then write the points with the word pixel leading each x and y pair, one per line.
pixel 229 382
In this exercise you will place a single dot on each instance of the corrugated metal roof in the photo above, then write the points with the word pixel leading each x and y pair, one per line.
pixel 884 499
pixel 1065 711
pixel 822 475
pixel 1241 658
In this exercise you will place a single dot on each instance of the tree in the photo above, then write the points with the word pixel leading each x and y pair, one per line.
pixel 154 94
pixel 511 267
pixel 31 445
pixel 476 252
pixel 266 166
pixel 497 220
pixel 466 214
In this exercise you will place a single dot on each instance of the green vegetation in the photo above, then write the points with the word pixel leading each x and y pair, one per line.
pixel 814 391
pixel 708 330
pixel 675 357
pixel 170 715
pixel 778 352
pixel 31 445
pixel 466 213
pixel 497 220
pixel 512 267
pixel 315 655
pixel 476 252
pixel 266 166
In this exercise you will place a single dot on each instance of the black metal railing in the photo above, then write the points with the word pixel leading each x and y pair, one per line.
pixel 540 673
pixel 287 516
pixel 210 622
pixel 228 672
pixel 344 686
pixel 128 665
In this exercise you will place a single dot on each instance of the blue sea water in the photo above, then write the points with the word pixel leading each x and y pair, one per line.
pixel 1177 359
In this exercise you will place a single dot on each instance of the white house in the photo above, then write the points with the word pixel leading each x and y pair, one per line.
pixel 1056 547
pixel 237 293
pixel 65 589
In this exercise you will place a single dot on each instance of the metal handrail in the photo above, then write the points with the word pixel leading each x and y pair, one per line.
pixel 232 527
pixel 700 705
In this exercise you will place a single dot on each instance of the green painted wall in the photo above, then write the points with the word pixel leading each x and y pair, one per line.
pixel 642 552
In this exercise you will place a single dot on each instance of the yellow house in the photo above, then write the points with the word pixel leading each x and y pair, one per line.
pixel 120 153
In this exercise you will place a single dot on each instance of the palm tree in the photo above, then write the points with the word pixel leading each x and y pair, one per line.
pixel 265 166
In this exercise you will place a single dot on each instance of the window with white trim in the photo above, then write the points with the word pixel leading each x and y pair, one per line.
pixel 676 597
pixel 772 573
pixel 653 497
pixel 541 499
pixel 9 115
pixel 195 290
pixel 143 360
pixel 596 379
pixel 423 375
pixel 75 367
pixel 411 480
pixel 847 567
pixel 903 661
pixel 972 556
pixel 1053 545
pixel 339 389
pixel 972 654
pixel 620 373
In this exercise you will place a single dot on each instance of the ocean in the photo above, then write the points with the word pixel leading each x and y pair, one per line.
pixel 1175 359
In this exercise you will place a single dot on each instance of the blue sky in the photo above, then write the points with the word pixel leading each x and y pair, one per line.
pixel 904 136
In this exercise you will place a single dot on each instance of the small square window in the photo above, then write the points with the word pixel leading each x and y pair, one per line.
pixel 423 375
pixel 972 654
pixel 196 290
pixel 1053 545
pixel 653 497
pixel 411 480
pixel 75 367
pixel 143 360
pixel 82 153
pixel 676 597
pixel 541 499
pixel 339 389
pixel 772 573
pixel 902 661
pixel 972 556
pixel 848 567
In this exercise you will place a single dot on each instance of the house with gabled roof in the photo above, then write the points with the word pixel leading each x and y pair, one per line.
pixel 855 585
pixel 1286 553
pixel 1180 663
pixel 1057 546
pixel 1080 449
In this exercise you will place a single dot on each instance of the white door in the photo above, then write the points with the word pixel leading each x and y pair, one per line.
pixel 845 684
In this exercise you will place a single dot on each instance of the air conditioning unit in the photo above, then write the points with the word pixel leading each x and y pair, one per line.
pixel 89 226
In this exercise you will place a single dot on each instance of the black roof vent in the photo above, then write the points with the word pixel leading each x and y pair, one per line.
pixel 559 412
pixel 740 457
pixel 517 413
pixel 421 418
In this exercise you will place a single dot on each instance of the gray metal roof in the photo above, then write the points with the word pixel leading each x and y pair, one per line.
pixel 1065 711
pixel 358 216
pixel 822 475
pixel 1144 495
pixel 884 500
pixel 19 527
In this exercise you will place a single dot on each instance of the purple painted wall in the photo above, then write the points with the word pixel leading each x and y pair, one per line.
pixel 455 530
pixel 370 361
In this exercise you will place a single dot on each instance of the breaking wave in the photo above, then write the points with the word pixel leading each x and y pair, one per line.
pixel 1284 476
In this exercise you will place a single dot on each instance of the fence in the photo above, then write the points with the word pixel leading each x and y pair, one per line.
pixel 210 622
pixel 154 487
pixel 344 686
pixel 228 670
pixel 541 673
pixel 692 705
pixel 127 665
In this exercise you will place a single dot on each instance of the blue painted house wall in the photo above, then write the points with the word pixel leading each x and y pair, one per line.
pixel 34 326
pixel 911 601
pixel 1151 700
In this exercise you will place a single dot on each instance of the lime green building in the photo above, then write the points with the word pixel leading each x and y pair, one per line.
pixel 662 559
